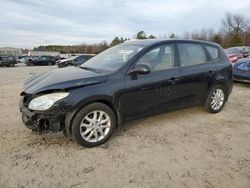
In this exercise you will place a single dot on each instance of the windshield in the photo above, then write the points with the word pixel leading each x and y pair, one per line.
pixel 113 58
pixel 233 50
pixel 71 58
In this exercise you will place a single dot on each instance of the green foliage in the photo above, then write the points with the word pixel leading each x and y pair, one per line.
pixel 118 40
pixel 90 49
pixel 115 41
pixel 141 35
pixel 151 37
pixel 217 38
pixel 172 36
pixel 235 40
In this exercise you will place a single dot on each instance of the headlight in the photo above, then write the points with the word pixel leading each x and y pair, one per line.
pixel 44 102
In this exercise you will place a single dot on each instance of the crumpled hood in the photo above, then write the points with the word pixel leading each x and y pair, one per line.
pixel 65 60
pixel 243 64
pixel 62 79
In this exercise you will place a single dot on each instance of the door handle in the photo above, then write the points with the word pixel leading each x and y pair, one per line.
pixel 173 80
pixel 210 73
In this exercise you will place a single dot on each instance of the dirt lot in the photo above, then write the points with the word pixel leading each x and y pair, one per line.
pixel 186 148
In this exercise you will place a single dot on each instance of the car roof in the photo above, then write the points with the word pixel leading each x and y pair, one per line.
pixel 149 42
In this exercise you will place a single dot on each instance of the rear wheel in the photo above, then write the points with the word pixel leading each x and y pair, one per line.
pixel 93 125
pixel 216 99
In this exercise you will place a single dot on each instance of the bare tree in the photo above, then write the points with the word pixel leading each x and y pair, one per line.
pixel 240 23
pixel 227 22
pixel 233 23
pixel 186 35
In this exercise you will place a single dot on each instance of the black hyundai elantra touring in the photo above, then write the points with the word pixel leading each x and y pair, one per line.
pixel 131 80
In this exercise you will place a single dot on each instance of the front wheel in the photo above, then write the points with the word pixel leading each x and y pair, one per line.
pixel 216 99
pixel 93 125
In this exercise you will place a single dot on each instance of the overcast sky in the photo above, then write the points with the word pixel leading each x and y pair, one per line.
pixel 29 23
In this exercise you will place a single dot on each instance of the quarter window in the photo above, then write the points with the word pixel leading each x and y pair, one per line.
pixel 191 54
pixel 159 58
pixel 213 51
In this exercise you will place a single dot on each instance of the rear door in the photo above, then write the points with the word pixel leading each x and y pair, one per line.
pixel 44 60
pixel 197 71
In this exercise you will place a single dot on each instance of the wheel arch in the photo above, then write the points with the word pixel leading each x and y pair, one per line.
pixel 222 83
pixel 71 115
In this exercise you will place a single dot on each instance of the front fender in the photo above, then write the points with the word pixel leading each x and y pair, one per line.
pixel 108 100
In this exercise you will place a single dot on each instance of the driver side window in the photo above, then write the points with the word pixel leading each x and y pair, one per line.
pixel 159 58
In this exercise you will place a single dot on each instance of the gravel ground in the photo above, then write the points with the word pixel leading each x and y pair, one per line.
pixel 186 148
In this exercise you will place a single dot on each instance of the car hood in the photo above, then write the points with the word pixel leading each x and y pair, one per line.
pixel 60 79
pixel 232 55
pixel 65 60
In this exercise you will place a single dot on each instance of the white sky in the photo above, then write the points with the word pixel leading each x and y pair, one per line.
pixel 30 23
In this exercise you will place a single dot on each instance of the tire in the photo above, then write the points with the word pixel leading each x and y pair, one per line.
pixel 82 126
pixel 216 99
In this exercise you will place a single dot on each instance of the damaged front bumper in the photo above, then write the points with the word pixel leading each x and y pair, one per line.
pixel 42 122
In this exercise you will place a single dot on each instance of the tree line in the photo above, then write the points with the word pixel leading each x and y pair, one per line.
pixel 234 31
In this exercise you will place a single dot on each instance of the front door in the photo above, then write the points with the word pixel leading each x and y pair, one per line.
pixel 157 91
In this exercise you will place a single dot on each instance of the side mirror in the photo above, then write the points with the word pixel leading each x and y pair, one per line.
pixel 140 69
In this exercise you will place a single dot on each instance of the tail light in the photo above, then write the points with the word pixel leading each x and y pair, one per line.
pixel 233 59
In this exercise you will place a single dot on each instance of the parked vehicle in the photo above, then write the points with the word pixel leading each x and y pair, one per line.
pixel 74 61
pixel 241 70
pixel 42 60
pixel 23 59
pixel 8 61
pixel 130 80
pixel 236 53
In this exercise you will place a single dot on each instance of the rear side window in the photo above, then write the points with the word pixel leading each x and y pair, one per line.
pixel 191 54
pixel 213 51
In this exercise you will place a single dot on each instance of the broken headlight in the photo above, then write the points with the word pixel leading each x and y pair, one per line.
pixel 44 102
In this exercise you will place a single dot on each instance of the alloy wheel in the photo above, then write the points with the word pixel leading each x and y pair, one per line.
pixel 95 126
pixel 217 99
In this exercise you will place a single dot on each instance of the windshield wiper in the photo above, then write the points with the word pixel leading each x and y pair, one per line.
pixel 90 69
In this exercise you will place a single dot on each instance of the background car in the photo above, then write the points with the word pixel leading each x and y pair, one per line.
pixel 42 60
pixel 74 60
pixel 236 53
pixel 8 61
pixel 23 59
pixel 241 70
